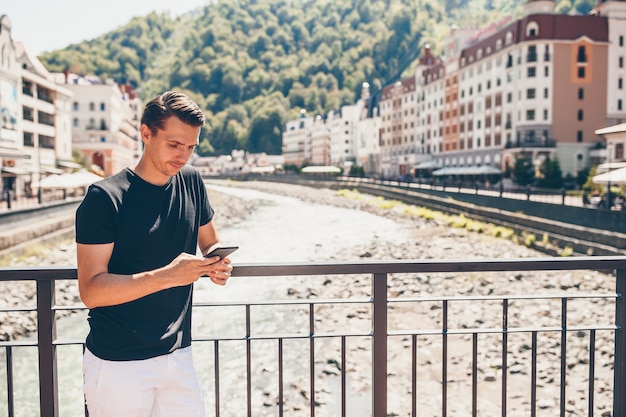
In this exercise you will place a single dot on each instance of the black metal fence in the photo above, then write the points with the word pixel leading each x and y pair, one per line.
pixel 389 335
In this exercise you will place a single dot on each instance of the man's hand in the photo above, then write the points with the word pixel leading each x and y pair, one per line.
pixel 220 270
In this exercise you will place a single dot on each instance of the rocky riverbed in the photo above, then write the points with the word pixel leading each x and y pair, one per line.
pixel 432 238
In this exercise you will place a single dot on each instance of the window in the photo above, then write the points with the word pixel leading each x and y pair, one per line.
pixel 28 114
pixel 27 88
pixel 582 54
pixel 619 151
pixel 530 93
pixel 581 72
pixel 546 71
pixel 579 136
pixel 532 54
pixel 102 106
pixel 532 29
pixel 621 40
pixel 546 93
pixel 581 93
pixel 28 139
pixel 92 106
pixel 532 71
pixel 545 114
pixel 620 83
pixel 619 104
pixel 76 123
pixel 580 114
pixel 530 114
pixel 75 106
pixel 621 62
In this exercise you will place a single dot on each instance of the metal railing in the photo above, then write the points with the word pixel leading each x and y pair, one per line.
pixel 393 286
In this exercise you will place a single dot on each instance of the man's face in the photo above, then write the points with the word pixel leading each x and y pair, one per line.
pixel 169 149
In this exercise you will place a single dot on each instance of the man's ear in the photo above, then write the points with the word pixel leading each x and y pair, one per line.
pixel 145 132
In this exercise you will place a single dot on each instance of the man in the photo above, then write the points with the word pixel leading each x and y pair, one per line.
pixel 137 235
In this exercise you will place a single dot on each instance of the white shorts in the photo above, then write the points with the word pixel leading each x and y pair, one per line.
pixel 165 386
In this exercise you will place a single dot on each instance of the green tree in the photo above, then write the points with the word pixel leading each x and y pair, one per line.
pixel 551 175
pixel 524 170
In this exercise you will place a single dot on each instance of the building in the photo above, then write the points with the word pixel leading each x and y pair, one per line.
pixel 398 138
pixel 320 142
pixel 368 132
pixel 35 129
pixel 615 13
pixel 295 138
pixel 537 87
pixel 105 122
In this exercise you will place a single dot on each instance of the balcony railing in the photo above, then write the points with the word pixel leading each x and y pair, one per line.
pixel 391 287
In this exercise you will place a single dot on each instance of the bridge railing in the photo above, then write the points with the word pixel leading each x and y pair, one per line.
pixel 373 338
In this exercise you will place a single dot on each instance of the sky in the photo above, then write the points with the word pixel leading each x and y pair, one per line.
pixel 46 25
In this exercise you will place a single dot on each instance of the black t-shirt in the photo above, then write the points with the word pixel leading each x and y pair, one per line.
pixel 150 226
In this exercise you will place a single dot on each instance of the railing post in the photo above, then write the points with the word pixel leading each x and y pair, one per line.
pixel 46 334
pixel 619 373
pixel 379 346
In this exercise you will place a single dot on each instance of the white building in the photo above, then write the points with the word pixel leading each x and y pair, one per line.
pixel 35 129
pixel 46 119
pixel 105 122
pixel 368 132
pixel 615 12
pixel 296 140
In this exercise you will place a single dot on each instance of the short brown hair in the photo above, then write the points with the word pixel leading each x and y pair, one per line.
pixel 171 103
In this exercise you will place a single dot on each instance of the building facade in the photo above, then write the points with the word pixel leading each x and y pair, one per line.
pixel 105 122
pixel 35 129
pixel 538 87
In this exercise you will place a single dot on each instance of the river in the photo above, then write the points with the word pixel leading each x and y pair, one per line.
pixel 280 229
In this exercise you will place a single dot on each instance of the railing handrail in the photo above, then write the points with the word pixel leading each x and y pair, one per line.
pixel 363 267
pixel 379 271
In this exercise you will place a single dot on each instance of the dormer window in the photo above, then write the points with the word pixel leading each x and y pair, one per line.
pixel 532 29
pixel 509 38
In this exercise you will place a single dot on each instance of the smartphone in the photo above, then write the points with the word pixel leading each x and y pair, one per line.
pixel 221 251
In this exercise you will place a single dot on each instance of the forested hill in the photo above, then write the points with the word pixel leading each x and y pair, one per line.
pixel 253 64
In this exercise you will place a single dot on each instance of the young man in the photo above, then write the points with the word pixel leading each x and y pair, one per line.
pixel 137 234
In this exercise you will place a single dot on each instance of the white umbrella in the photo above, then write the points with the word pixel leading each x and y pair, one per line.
pixel 617 176
pixel 75 180
pixel 316 169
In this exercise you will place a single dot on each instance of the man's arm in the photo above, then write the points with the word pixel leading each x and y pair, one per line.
pixel 99 288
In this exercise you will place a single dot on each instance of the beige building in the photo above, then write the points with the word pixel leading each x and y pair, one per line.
pixel 296 140
pixel 105 122
pixel 35 128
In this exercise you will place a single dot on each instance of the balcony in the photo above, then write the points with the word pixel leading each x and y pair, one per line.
pixel 531 143
pixel 387 290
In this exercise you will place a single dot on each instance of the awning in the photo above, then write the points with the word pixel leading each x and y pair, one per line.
pixel 15 171
pixel 617 176
pixel 69 164
pixel 468 170
pixel 315 169
pixel 427 165
pixel 608 166
pixel 75 180
pixel 262 170
pixel 51 170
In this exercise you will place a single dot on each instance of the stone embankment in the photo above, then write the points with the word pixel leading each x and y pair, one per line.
pixel 431 239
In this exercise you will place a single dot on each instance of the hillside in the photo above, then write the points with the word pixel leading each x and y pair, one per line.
pixel 253 64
